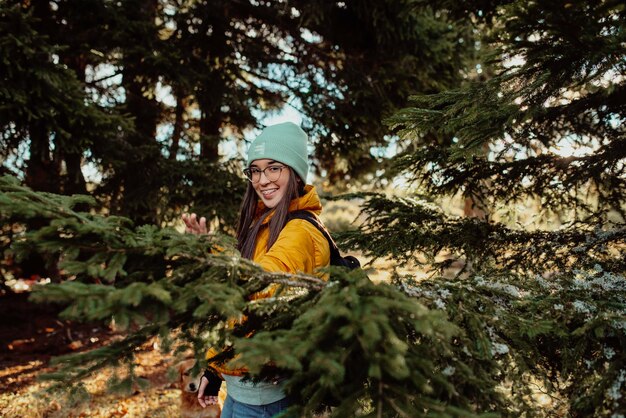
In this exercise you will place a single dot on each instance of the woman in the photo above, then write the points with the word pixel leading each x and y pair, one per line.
pixel 277 168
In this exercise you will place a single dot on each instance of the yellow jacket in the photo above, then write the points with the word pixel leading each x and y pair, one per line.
pixel 300 248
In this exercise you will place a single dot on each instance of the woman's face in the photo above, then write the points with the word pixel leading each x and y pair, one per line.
pixel 270 190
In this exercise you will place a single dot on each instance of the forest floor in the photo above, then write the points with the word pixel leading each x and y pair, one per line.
pixel 31 334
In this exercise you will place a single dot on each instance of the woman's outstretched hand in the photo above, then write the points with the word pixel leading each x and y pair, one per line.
pixel 193 226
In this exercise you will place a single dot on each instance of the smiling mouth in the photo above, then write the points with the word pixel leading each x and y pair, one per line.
pixel 268 192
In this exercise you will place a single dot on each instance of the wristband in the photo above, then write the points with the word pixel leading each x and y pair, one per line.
pixel 214 382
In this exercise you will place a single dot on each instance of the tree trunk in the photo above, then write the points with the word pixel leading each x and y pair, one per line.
pixel 75 180
pixel 140 177
pixel 211 94
pixel 41 172
pixel 210 123
pixel 72 154
pixel 178 124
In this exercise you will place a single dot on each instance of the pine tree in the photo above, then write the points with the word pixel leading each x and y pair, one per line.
pixel 227 63
pixel 46 119
pixel 539 303
pixel 380 53
pixel 529 310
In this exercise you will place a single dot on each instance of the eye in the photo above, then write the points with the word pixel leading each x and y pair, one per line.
pixel 255 170
pixel 187 373
pixel 274 169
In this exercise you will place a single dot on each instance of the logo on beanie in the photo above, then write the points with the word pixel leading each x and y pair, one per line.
pixel 259 148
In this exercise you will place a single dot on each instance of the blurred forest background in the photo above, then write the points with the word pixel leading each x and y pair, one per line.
pixel 473 152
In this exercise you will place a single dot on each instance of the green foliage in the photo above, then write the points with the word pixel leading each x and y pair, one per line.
pixel 444 347
pixel 383 51
pixel 31 92
pixel 519 320
pixel 38 93
pixel 352 335
pixel 355 338
pixel 52 56
pixel 557 333
pixel 209 189
pixel 541 308
pixel 553 88
pixel 150 115
pixel 413 229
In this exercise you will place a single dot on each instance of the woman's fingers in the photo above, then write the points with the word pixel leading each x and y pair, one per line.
pixel 187 220
pixel 192 225
pixel 207 400
pixel 201 398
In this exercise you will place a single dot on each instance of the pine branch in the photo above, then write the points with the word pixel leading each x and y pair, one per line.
pixel 408 229
pixel 555 333
pixel 554 178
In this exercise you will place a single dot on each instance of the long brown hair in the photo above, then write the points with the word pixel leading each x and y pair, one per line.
pixel 248 228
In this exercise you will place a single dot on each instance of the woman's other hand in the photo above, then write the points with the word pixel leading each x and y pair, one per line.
pixel 193 226
pixel 203 399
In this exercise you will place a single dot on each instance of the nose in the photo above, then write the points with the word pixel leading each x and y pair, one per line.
pixel 263 180
pixel 192 386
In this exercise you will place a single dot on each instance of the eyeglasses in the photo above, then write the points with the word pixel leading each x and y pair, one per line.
pixel 272 173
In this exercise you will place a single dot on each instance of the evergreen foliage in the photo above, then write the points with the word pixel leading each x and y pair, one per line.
pixel 184 289
pixel 414 230
pixel 384 50
pixel 38 95
pixel 546 302
pixel 515 320
pixel 196 74
pixel 553 87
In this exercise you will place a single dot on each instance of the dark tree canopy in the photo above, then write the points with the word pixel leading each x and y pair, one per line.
pixel 167 81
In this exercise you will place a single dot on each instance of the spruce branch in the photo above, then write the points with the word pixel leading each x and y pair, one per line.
pixel 407 229
pixel 556 332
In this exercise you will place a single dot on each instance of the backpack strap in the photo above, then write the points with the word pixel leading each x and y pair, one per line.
pixel 335 257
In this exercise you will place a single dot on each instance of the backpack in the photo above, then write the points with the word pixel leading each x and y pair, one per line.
pixel 336 258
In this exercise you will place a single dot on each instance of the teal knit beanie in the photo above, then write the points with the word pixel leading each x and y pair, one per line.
pixel 285 143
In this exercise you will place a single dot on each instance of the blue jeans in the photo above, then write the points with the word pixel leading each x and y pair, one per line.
pixel 234 409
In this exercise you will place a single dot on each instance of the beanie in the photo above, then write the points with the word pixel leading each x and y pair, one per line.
pixel 285 143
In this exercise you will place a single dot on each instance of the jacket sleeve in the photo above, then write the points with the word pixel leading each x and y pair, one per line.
pixel 294 250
